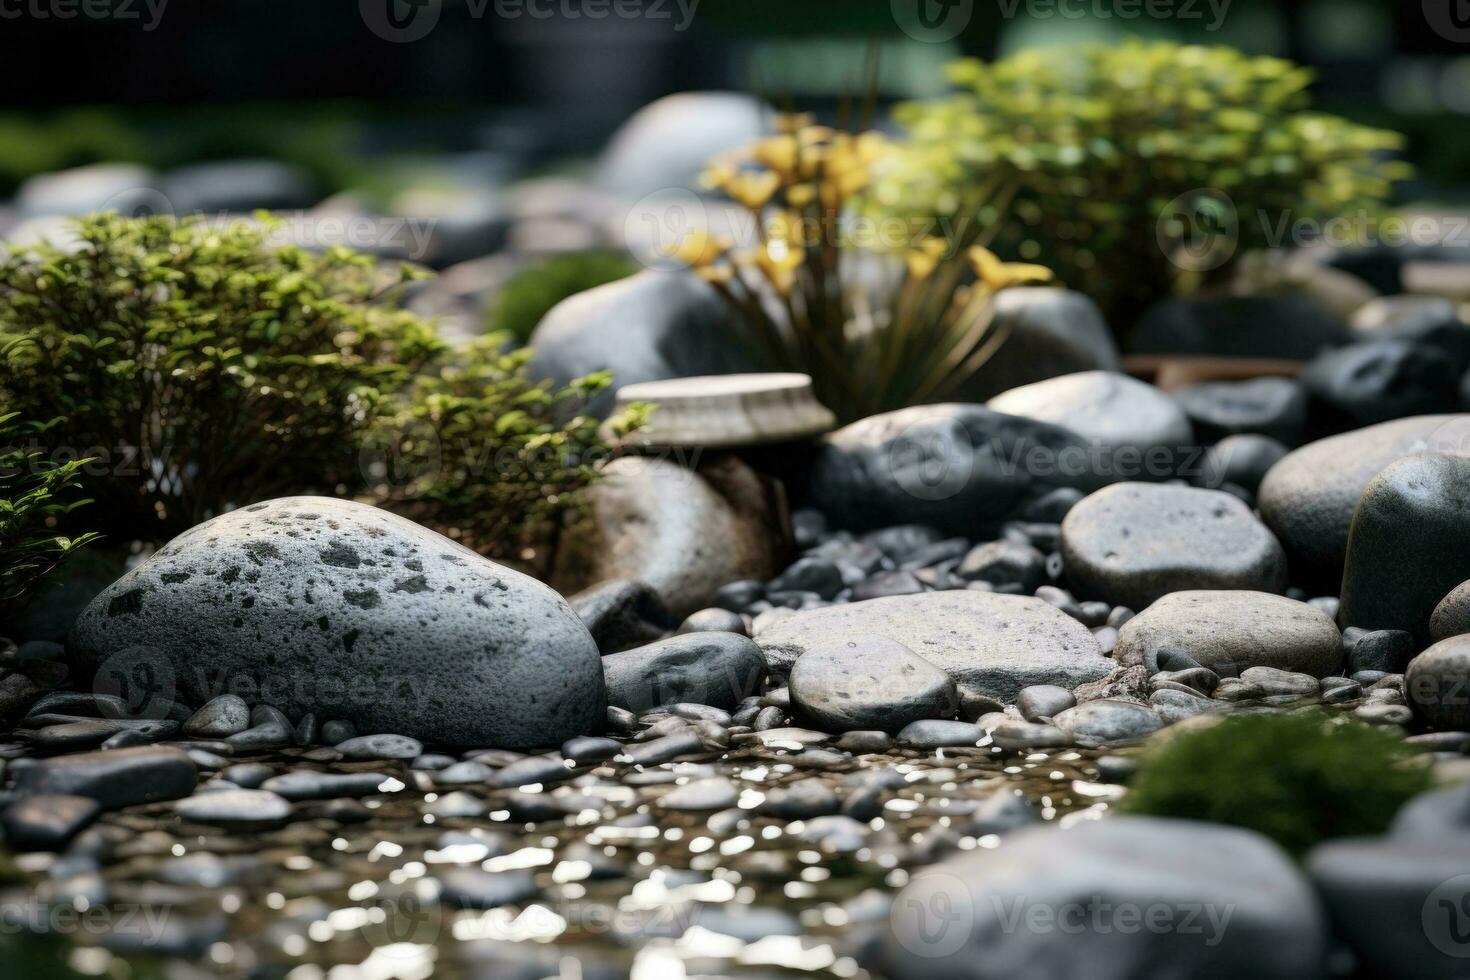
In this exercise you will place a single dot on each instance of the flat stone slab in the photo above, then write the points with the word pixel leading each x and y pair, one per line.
pixel 728 410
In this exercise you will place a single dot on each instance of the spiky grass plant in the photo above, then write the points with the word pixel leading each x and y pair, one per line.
pixel 880 317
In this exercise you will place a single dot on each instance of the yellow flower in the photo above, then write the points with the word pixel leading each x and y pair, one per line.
pixel 716 175
pixel 723 272
pixel 811 135
pixel 871 146
pixel 753 188
pixel 791 122
pixel 788 227
pixel 779 260
pixel 998 275
pixel 800 195
pixel 699 248
pixel 923 260
pixel 777 152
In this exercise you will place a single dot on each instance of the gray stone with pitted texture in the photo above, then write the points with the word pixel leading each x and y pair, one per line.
pixel 1131 543
pixel 1308 498
pixel 987 643
pixel 1451 617
pixel 718 669
pixel 1232 631
pixel 354 613
pixel 869 683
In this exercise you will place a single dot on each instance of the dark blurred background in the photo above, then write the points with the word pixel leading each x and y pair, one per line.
pixel 530 82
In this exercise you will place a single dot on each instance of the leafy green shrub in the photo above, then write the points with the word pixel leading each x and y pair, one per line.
pixel 1298 778
pixel 528 295
pixel 1098 143
pixel 34 492
pixel 490 457
pixel 201 366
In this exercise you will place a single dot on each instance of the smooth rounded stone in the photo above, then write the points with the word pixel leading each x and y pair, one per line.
pixel 713 620
pixel 1175 706
pixel 739 596
pixel 587 749
pixel 82 190
pixel 87 733
pixel 727 411
pixel 1374 382
pixel 987 643
pixel 902 540
pixel 1383 650
pixel 686 531
pixel 865 742
pixel 304 784
pixel 1132 543
pixel 1001 813
pixel 869 682
pixel 817 575
pixel 936 733
pixel 115 779
pixel 1437 684
pixel 1134 424
pixel 1025 736
pixel 1277 327
pixel 464 774
pixel 536 769
pixel 1308 498
pixel 887 584
pixel 663 749
pixel 235 807
pixel 1103 898
pixel 701 794
pixel 1410 544
pixel 1275 681
pixel 1231 631
pixel 718 669
pixel 1239 460
pixel 337 731
pixel 834 833
pixel 1438 815
pixel 1198 679
pixel 1004 563
pixel 46 822
pixel 1274 408
pixel 351 612
pixel 1048 332
pixel 368 747
pixel 238 186
pixel 472 888
pixel 225 715
pixel 1043 701
pixel 1384 714
pixel 803 800
pixel 248 775
pixel 667 143
pixel 269 729
pixel 1451 617
pixel 621 614
pixel 457 805
pixel 1106 722
pixel 1398 904
pixel 961 468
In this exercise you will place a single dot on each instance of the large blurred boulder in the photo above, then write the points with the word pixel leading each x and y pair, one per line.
pixel 1373 382
pixel 668 142
pixel 648 327
pixel 238 186
pixel 1051 332
pixel 124 187
pixel 1284 328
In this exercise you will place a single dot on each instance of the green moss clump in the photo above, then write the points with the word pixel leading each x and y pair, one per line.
pixel 531 293
pixel 1298 778
pixel 1098 144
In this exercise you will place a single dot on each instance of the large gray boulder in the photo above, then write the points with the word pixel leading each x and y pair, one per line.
pixel 1049 332
pixel 667 143
pixel 1132 543
pixel 987 643
pixel 649 327
pixel 1115 899
pixel 1135 424
pixel 312 604
pixel 962 468
pixel 1231 631
pixel 1409 545
pixel 1309 497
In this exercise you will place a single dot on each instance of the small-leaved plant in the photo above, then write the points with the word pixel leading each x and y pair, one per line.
pixel 1138 167
pixel 36 491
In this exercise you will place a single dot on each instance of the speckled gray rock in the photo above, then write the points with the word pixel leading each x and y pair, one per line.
pixel 1135 424
pixel 350 612
pixel 686 532
pixel 961 468
pixel 1105 721
pixel 1131 543
pixel 1309 497
pixel 1274 407
pixel 1437 684
pixel 869 683
pixel 987 643
pixel 1409 545
pixel 711 668
pixel 1232 631
pixel 1451 617
pixel 1028 908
